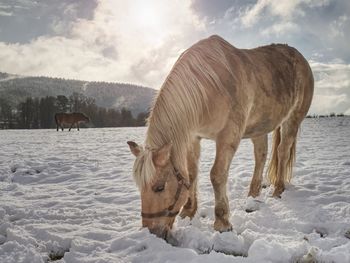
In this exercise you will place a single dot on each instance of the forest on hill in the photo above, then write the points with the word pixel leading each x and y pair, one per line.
pixel 38 113
pixel 31 102
pixel 15 89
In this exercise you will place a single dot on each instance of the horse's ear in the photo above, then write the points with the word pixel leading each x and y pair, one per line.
pixel 134 148
pixel 162 156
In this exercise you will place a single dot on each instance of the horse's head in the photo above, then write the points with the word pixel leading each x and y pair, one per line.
pixel 163 189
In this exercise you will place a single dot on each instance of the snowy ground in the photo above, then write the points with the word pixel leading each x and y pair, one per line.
pixel 69 197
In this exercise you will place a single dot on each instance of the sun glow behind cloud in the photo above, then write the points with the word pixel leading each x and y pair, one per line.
pixel 146 35
pixel 148 18
pixel 144 20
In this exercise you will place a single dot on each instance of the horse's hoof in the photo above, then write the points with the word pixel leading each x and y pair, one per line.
pixel 184 213
pixel 228 229
pixel 347 234
pixel 221 227
pixel 278 193
pixel 252 204
pixel 277 196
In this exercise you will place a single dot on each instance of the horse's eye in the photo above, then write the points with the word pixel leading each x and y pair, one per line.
pixel 158 188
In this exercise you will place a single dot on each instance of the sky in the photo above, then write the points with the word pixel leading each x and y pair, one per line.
pixel 138 41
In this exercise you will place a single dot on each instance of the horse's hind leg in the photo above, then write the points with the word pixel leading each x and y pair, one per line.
pixel 190 207
pixel 285 155
pixel 260 153
pixel 71 126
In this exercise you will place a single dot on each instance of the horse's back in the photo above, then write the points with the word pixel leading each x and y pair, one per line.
pixel 64 118
pixel 271 69
pixel 268 69
pixel 264 84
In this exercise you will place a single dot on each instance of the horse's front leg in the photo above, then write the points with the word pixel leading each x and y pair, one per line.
pixel 78 126
pixel 226 146
pixel 70 127
pixel 190 207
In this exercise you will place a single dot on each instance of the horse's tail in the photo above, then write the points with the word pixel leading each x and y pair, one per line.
pixel 272 168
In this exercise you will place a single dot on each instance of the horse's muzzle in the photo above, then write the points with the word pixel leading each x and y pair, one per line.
pixel 161 232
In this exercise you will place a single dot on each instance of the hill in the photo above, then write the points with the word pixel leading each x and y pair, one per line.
pixel 15 89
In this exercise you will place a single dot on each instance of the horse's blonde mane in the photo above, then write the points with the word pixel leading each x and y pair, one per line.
pixel 181 104
pixel 143 168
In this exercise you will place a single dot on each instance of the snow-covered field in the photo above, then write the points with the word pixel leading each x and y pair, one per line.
pixel 70 197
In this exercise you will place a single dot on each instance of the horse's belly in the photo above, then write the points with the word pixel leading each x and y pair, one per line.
pixel 264 127
pixel 265 121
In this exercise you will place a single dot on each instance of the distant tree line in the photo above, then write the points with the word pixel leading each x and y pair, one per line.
pixel 331 115
pixel 38 113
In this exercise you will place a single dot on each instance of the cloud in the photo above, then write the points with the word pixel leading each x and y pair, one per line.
pixel 337 26
pixel 283 9
pixel 252 13
pixel 4 13
pixel 32 19
pixel 211 10
pixel 137 43
pixel 332 87
pixel 280 29
pixel 325 104
pixel 5 10
pixel 331 75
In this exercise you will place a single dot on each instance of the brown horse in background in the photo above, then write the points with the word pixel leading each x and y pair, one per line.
pixel 70 119
pixel 225 94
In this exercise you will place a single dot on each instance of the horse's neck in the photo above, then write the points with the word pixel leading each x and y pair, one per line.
pixel 174 115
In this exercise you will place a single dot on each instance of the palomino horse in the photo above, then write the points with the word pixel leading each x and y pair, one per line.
pixel 70 119
pixel 219 92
